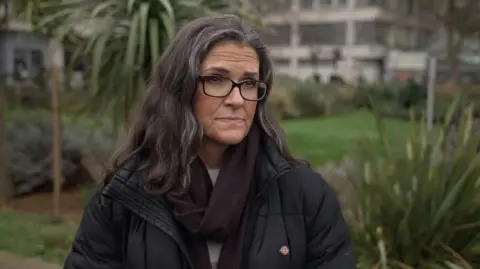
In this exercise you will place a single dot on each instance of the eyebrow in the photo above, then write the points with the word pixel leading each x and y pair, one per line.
pixel 225 71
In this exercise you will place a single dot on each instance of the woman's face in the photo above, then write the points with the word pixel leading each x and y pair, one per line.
pixel 227 120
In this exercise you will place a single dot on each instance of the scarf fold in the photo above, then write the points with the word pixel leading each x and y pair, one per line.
pixel 218 213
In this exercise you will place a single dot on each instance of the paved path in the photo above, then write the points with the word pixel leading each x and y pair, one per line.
pixel 11 261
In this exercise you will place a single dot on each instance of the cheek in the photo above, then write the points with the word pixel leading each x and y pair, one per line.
pixel 251 108
pixel 205 108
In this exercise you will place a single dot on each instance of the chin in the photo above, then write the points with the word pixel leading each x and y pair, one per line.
pixel 231 137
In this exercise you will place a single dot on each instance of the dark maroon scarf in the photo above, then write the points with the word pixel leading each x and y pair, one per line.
pixel 218 214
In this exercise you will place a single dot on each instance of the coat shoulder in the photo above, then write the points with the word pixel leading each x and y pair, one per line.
pixel 307 189
pixel 106 206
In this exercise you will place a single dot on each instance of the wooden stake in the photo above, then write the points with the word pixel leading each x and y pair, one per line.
pixel 56 142
pixel 6 184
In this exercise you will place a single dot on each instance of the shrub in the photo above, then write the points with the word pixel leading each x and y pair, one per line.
pixel 293 98
pixel 324 99
pixel 310 100
pixel 337 176
pixel 453 137
pixel 406 93
pixel 282 103
pixel 29 137
pixel 32 98
pixel 418 209
pixel 29 97
pixel 289 82
pixel 395 99
pixel 411 94
pixel 386 92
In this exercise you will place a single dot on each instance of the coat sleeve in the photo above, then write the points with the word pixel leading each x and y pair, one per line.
pixel 329 243
pixel 97 243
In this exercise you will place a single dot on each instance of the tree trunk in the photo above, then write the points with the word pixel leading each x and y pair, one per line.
pixel 7 189
pixel 6 183
pixel 454 45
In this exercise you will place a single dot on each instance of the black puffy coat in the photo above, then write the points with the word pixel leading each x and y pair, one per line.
pixel 294 210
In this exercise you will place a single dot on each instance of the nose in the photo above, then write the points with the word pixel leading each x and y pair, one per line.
pixel 234 98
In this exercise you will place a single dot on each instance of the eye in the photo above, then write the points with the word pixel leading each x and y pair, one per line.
pixel 214 79
pixel 250 83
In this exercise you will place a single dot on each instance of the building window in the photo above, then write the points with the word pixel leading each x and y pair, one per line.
pixel 327 33
pixel 279 62
pixel 404 37
pixel 425 39
pixel 367 3
pixel 361 3
pixel 20 65
pixel 319 63
pixel 342 3
pixel 76 64
pixel 325 2
pixel 37 63
pixel 276 35
pixel 371 33
pixel 405 7
pixel 306 4
pixel 272 5
pixel 28 64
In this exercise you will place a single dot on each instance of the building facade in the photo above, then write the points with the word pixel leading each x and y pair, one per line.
pixel 24 56
pixel 371 38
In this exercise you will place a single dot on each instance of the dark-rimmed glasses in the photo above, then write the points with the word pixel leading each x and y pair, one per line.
pixel 217 86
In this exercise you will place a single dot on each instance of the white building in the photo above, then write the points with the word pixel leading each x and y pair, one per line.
pixel 375 37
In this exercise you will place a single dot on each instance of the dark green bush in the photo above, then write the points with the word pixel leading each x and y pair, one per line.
pixel 393 99
pixel 282 104
pixel 411 94
pixel 324 99
pixel 29 138
pixel 307 100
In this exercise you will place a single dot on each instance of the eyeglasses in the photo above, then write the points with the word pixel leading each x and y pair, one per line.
pixel 216 86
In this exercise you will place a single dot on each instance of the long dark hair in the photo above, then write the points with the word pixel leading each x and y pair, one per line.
pixel 165 137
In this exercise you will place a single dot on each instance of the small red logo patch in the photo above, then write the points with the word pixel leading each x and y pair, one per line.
pixel 284 250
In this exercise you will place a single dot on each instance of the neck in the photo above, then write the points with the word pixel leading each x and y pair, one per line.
pixel 212 154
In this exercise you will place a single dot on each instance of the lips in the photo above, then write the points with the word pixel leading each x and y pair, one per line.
pixel 231 119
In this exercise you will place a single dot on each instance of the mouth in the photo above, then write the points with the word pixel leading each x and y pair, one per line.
pixel 231 119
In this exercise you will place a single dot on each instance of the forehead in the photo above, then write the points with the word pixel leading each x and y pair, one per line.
pixel 232 58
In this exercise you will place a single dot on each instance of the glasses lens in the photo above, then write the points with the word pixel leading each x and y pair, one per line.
pixel 253 90
pixel 216 86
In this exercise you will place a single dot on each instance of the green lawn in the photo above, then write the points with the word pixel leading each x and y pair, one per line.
pixel 329 139
pixel 36 236
pixel 318 140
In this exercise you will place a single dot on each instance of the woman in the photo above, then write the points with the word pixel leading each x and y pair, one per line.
pixel 206 179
